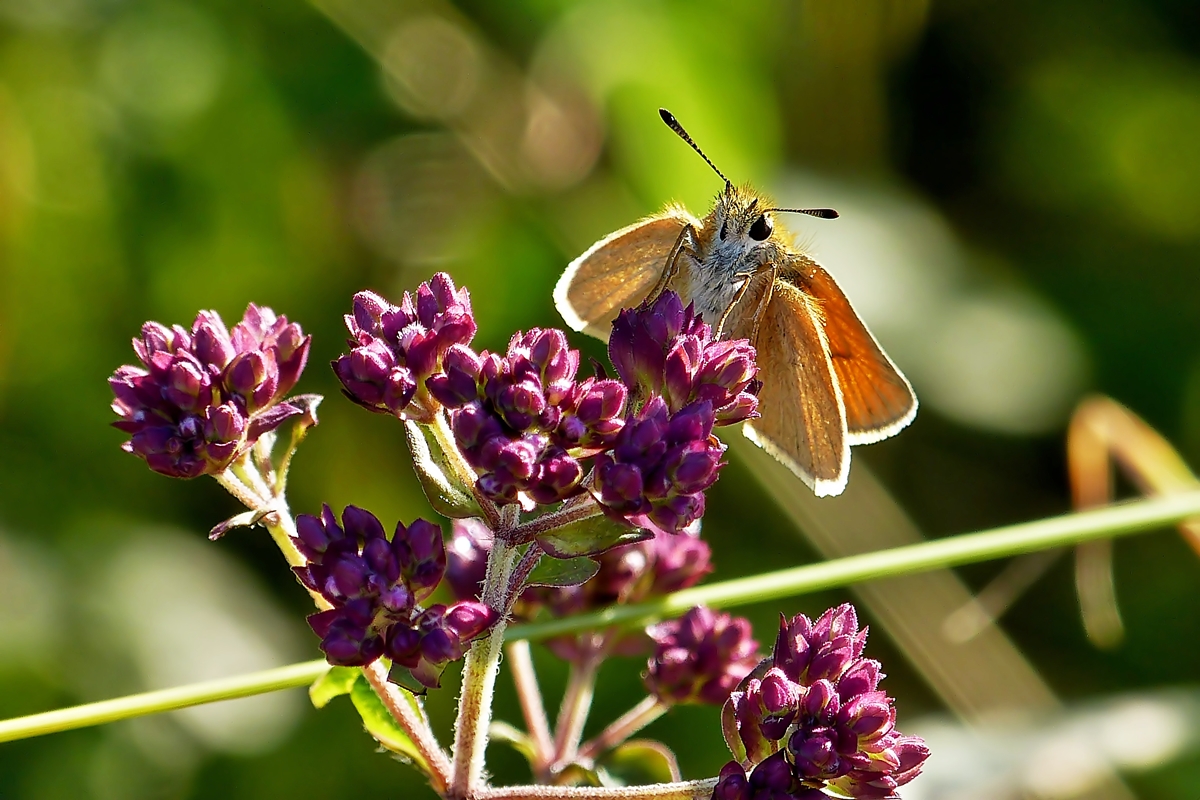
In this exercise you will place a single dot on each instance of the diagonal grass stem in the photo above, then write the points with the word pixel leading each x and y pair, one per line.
pixel 1111 521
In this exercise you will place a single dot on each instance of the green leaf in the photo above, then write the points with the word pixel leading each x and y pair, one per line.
pixel 639 762
pixel 336 681
pixel 589 537
pixel 446 494
pixel 562 571
pixel 579 775
pixel 307 403
pixel 380 724
pixel 500 731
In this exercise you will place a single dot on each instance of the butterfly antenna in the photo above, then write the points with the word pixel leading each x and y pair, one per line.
pixel 819 213
pixel 674 125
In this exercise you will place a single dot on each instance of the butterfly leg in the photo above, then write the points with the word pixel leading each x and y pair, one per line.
pixel 746 278
pixel 685 242
pixel 762 307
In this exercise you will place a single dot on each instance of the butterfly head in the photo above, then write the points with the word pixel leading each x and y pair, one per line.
pixel 741 227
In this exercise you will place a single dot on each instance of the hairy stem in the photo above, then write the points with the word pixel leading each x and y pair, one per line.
pixel 479 679
pixel 520 663
pixel 576 704
pixel 464 473
pixel 683 790
pixel 413 723
pixel 240 491
pixel 623 727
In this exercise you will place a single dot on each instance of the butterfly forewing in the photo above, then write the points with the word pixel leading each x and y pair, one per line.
pixel 803 422
pixel 878 400
pixel 617 272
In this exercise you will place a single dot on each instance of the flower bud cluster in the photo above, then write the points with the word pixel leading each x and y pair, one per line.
pixel 396 349
pixel 202 397
pixel 815 706
pixel 700 657
pixel 686 383
pixel 376 587
pixel 667 350
pixel 516 416
pixel 527 425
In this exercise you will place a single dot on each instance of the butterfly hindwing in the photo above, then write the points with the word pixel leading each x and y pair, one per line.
pixel 877 398
pixel 803 420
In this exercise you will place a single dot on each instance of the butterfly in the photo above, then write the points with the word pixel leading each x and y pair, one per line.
pixel 826 382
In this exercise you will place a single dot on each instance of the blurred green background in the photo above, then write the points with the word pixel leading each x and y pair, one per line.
pixel 1019 185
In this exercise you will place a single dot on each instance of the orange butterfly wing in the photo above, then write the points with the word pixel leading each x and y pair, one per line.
pixel 803 422
pixel 618 272
pixel 878 399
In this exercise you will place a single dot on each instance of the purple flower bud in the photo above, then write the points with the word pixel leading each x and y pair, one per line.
pixel 374 586
pixel 593 414
pixel 779 700
pixel 421 554
pixel 396 349
pixel 315 534
pixel 345 642
pixel 467 555
pixel 868 716
pixel 863 676
pixel 467 619
pixel 732 783
pixel 773 775
pixel 820 694
pixel 403 645
pixel 199 402
pixel 659 465
pixel 459 383
pixel 210 340
pixel 663 349
pixel 700 657
pixel 678 561
pixel 815 755
pixel 639 340
pixel 911 752
pixel 446 633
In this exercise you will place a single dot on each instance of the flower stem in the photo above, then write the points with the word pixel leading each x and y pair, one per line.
pixel 576 704
pixel 520 662
pixel 413 723
pixel 629 723
pixel 240 491
pixel 479 679
pixel 953 551
pixel 138 705
pixel 463 472
pixel 683 790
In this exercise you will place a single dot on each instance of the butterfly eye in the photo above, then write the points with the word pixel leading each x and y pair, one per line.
pixel 761 229
pixel 724 230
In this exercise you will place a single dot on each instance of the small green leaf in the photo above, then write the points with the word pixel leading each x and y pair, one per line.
pixel 639 762
pixel 380 724
pixel 579 775
pixel 307 403
pixel 589 537
pixel 562 571
pixel 518 740
pixel 447 495
pixel 335 682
